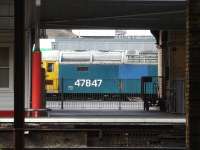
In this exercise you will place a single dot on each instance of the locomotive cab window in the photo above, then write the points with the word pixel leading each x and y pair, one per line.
pixel 50 67
pixel 82 68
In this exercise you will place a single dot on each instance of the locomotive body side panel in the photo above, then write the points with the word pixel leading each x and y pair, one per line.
pixel 130 75
pixel 100 78
pixel 88 78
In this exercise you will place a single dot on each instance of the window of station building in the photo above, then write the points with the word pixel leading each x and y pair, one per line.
pixel 82 68
pixel 50 67
pixel 4 67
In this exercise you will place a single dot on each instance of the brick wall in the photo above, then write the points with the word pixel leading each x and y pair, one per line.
pixel 178 51
pixel 193 75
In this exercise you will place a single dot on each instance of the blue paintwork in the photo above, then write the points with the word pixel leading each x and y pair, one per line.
pixel 123 78
pixel 70 71
pixel 132 86
pixel 128 71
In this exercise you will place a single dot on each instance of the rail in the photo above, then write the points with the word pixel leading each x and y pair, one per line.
pixel 109 148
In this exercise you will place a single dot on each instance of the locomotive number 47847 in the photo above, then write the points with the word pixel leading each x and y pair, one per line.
pixel 88 83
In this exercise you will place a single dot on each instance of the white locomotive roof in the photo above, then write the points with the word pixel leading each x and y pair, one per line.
pixel 100 57
pixel 75 56
pixel 51 55
pixel 107 57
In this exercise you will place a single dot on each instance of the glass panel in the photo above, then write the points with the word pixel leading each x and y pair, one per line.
pixel 4 78
pixel 50 67
pixel 4 56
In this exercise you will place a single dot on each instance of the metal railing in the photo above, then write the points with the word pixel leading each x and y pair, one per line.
pixel 151 91
pixel 96 105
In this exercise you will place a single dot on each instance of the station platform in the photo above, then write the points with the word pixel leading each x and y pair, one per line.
pixel 102 117
pixel 154 130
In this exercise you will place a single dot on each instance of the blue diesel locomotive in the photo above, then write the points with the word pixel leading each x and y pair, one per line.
pixel 83 81
pixel 98 81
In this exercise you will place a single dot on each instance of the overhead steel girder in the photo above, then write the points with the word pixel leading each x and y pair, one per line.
pixel 133 14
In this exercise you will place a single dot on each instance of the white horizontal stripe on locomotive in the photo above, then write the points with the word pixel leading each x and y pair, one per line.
pixel 100 57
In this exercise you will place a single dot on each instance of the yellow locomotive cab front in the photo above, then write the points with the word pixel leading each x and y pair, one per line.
pixel 51 76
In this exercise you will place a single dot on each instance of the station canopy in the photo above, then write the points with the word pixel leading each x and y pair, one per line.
pixel 115 14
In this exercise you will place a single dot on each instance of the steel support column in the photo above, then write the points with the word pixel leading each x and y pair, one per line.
pixel 193 75
pixel 160 63
pixel 19 68
pixel 36 65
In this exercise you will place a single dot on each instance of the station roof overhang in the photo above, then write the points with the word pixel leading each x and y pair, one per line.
pixel 113 14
